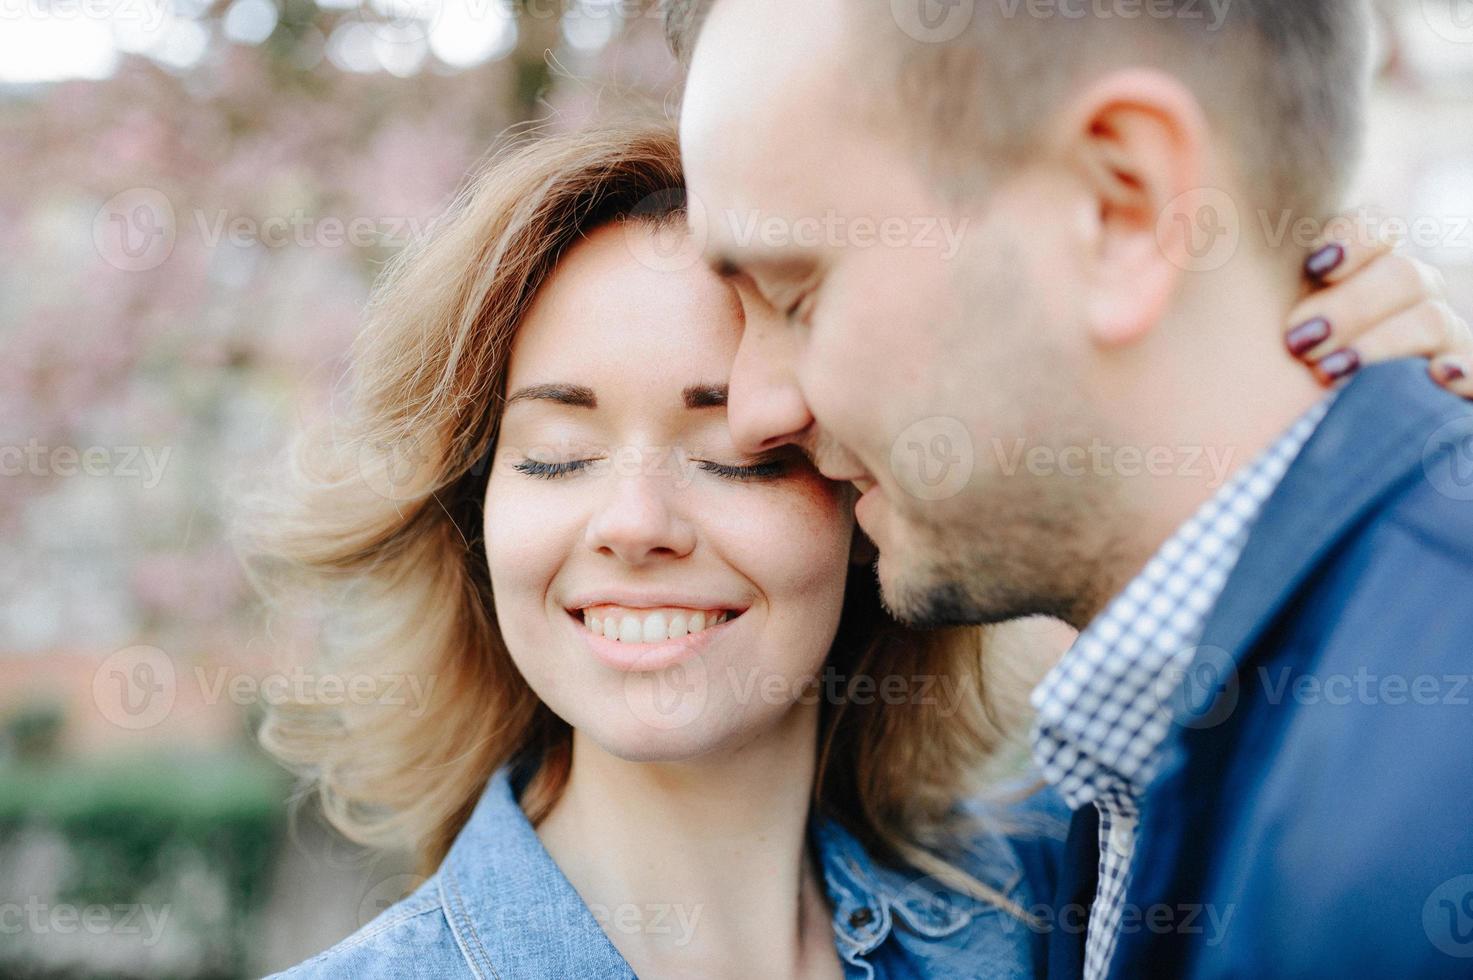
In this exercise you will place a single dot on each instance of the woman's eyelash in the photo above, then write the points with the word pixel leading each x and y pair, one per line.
pixel 548 471
pixel 756 471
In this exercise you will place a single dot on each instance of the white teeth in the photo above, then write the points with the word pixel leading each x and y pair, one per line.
pixel 652 626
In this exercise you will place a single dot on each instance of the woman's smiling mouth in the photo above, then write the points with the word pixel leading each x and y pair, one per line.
pixel 650 625
pixel 648 638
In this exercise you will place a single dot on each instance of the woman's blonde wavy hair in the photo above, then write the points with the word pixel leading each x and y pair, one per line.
pixel 377 516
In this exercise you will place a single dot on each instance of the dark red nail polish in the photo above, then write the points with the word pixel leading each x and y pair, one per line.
pixel 1307 336
pixel 1452 373
pixel 1325 261
pixel 1340 364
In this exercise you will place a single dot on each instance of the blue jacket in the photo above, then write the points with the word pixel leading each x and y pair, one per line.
pixel 1314 816
pixel 498 907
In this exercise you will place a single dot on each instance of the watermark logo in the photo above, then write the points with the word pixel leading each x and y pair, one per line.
pixel 40 918
pixel 385 894
pixel 135 230
pixel 1210 463
pixel 1447 917
pixel 148 15
pixel 299 229
pixel 933 21
pixel 670 699
pixel 402 21
pixel 1362 687
pixel 1200 231
pixel 398 469
pixel 1447 459
pixel 135 687
pixel 676 698
pixel 1451 20
pixel 1202 691
pixel 667 246
pixel 144 463
pixel 933 459
pixel 675 920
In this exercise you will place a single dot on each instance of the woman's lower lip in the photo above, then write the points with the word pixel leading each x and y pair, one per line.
pixel 637 657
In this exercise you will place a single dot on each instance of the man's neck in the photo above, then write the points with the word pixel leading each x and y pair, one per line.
pixel 1210 393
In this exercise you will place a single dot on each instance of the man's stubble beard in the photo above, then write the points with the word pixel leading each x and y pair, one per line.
pixel 1024 561
pixel 1027 545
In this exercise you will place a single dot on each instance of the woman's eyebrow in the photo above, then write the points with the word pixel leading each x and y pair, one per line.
pixel 707 395
pixel 704 396
pixel 577 396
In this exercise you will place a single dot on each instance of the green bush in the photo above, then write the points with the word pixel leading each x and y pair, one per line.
pixel 136 831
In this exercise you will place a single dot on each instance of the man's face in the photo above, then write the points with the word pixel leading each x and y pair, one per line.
pixel 908 343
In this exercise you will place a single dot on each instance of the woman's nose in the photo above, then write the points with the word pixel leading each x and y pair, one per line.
pixel 640 520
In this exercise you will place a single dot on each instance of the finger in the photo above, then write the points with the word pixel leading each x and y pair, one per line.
pixel 1455 373
pixel 1337 316
pixel 1347 246
pixel 1429 329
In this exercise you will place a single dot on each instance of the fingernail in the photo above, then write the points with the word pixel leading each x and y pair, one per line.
pixel 1340 364
pixel 1325 261
pixel 1451 372
pixel 1307 336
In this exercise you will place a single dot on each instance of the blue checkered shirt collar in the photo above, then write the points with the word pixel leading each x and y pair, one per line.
pixel 1103 712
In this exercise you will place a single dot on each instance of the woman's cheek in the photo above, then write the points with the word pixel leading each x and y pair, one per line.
pixel 524 546
pixel 797 540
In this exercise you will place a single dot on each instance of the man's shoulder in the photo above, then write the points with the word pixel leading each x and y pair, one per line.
pixel 1435 493
pixel 1380 502
pixel 410 938
pixel 1434 507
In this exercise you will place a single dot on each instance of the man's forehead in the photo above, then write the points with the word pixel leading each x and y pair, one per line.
pixel 759 70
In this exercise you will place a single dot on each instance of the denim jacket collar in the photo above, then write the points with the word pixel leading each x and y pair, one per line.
pixel 513 912
pixel 868 896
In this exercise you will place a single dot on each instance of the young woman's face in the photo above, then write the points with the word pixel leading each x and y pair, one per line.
pixel 663 594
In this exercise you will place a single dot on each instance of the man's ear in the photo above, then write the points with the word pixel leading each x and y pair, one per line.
pixel 1137 139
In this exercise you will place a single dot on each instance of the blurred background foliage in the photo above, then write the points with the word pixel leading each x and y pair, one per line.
pixel 266 157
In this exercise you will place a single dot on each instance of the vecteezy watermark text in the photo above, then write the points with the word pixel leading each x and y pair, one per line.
pixel 1100 459
pixel 124 462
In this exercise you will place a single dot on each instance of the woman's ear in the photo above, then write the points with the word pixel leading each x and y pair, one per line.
pixel 1137 140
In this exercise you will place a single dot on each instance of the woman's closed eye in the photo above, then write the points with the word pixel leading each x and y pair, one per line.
pixel 549 471
pixel 765 470
pixel 762 469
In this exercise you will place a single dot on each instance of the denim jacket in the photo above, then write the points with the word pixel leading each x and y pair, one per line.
pixel 499 908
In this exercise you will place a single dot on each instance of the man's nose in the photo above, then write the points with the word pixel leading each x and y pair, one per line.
pixel 765 408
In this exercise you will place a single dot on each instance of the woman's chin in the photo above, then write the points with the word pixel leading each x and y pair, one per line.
pixel 675 715
pixel 635 742
pixel 638 734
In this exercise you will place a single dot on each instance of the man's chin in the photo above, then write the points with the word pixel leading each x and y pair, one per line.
pixel 921 598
